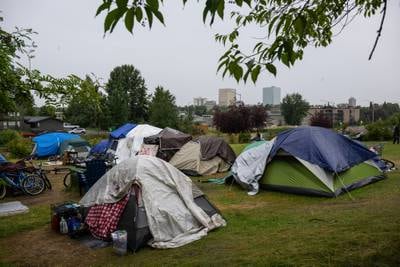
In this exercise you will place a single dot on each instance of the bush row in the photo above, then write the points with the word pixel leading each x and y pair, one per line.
pixel 15 144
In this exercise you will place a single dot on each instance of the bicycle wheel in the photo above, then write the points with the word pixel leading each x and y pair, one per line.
pixel 3 191
pixel 67 180
pixel 389 164
pixel 46 180
pixel 33 184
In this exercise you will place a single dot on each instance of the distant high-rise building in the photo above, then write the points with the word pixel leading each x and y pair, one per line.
pixel 210 104
pixel 199 101
pixel 271 95
pixel 226 96
pixel 352 102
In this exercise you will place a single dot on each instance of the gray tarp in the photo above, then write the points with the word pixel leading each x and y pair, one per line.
pixel 174 219
pixel 212 146
pixel 249 166
pixel 188 158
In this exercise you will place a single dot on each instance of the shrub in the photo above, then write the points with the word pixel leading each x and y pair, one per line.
pixel 8 135
pixel 244 137
pixel 19 147
pixel 378 131
pixel 321 120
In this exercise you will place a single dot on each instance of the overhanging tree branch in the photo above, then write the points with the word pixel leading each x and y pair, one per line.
pixel 380 29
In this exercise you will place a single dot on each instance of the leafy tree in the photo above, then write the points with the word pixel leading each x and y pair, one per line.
pixel 85 108
pixel 258 117
pixel 13 88
pixel 235 120
pixel 127 96
pixel 17 81
pixel 319 119
pixel 47 110
pixel 378 112
pixel 289 26
pixel 163 111
pixel 294 108
pixel 240 118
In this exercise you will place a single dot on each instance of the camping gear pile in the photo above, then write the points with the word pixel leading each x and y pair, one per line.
pixel 151 200
pixel 307 160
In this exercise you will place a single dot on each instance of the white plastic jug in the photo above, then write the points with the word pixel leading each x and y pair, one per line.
pixel 120 241
pixel 63 226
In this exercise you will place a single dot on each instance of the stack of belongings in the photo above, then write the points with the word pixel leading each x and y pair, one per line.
pixel 307 160
pixel 168 142
pixel 130 142
pixel 204 156
pixel 153 201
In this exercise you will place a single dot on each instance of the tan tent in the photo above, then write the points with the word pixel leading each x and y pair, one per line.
pixel 189 160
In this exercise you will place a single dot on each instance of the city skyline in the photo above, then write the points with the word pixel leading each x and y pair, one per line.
pixel 185 62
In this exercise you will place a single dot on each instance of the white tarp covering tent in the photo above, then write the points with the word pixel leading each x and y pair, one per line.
pixel 250 165
pixel 130 145
pixel 173 216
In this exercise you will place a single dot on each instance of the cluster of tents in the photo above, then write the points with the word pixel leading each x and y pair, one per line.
pixel 200 156
pixel 166 210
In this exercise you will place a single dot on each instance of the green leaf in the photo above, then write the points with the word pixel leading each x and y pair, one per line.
pixel 236 70
pixel 129 19
pixel 239 2
pixel 254 73
pixel 299 25
pixel 149 15
pixel 271 68
pixel 285 59
pixel 220 8
pixel 122 3
pixel 153 4
pixel 104 6
pixel 159 16
pixel 139 14
pixel 110 18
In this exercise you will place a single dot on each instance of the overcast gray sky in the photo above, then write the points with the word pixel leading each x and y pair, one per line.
pixel 183 56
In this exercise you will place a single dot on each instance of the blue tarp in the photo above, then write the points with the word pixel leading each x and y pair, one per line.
pixel 101 147
pixel 323 147
pixel 122 131
pixel 2 159
pixel 48 144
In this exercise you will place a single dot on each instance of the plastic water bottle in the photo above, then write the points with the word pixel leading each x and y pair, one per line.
pixel 63 226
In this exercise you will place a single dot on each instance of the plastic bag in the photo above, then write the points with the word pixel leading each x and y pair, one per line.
pixel 120 240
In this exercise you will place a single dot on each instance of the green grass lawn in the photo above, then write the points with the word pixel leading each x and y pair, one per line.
pixel 275 228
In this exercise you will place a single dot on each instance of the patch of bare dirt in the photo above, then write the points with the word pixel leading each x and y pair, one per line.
pixel 43 247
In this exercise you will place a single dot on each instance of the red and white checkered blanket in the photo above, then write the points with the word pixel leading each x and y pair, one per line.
pixel 103 219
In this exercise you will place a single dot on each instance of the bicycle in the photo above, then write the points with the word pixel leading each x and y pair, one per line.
pixel 378 150
pixel 78 170
pixel 16 178
pixel 39 171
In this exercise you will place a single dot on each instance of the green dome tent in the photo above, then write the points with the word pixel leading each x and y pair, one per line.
pixel 307 160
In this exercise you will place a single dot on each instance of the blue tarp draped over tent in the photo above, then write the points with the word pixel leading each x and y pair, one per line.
pixel 122 131
pixel 101 147
pixel 2 159
pixel 48 144
pixel 323 147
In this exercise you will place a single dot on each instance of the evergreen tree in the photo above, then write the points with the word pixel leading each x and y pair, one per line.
pixel 126 95
pixel 163 110
pixel 294 108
